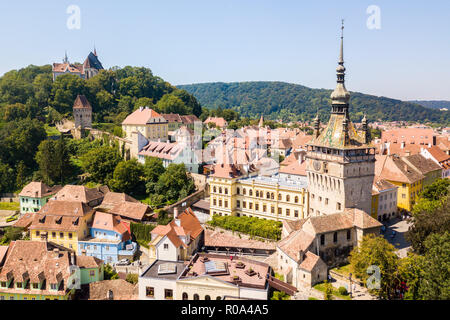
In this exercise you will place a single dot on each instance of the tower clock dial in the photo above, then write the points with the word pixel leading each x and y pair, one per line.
pixel 317 165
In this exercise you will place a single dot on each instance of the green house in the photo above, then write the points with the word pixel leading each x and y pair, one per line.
pixel 35 195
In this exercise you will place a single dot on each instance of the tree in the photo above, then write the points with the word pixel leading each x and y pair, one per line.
pixel 100 163
pixel 132 278
pixel 170 103
pixel 328 292
pixel 128 177
pixel 7 178
pixel 64 91
pixel 428 216
pixel 109 273
pixel 153 169
pixel 435 284
pixel 376 251
pixel 21 177
pixel 175 183
pixel 46 161
pixel 437 190
pixel 410 270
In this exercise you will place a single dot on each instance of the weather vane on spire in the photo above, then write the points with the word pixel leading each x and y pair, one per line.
pixel 342 35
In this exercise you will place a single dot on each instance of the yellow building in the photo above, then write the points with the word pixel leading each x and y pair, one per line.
pixel 256 196
pixel 62 222
pixel 409 181
pixel 374 207
pixel 148 123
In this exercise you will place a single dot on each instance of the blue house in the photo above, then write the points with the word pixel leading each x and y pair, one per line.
pixel 109 239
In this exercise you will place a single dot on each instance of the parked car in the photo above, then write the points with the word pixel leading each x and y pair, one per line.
pixel 123 262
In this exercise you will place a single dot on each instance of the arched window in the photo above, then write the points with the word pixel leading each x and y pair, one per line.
pixel 226 190
pixel 185 296
pixel 288 198
pixel 296 199
pixel 207 297
pixel 214 189
pixel 196 297
pixel 268 195
pixel 272 196
pixel 257 193
pixel 279 196
pixel 238 191
pixel 250 192
pixel 244 191
pixel 219 298
pixel 220 189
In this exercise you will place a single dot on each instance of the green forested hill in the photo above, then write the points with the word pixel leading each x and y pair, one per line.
pixel 295 102
pixel 434 104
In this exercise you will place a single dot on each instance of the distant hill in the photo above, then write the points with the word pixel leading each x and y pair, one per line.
pixel 295 102
pixel 433 104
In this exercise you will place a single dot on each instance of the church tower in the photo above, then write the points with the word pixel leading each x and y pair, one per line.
pixel 340 160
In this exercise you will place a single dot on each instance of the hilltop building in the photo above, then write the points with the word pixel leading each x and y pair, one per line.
pixel 87 70
pixel 340 160
pixel 82 112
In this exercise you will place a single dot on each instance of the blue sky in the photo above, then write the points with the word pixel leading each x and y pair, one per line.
pixel 243 40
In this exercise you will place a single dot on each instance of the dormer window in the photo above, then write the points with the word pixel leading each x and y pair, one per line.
pixel 54 286
pixel 35 285
pixel 19 285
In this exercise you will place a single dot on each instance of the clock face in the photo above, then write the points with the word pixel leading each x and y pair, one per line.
pixel 317 165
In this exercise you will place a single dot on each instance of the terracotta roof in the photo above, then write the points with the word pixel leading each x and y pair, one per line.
pixel 190 223
pixel 107 221
pixel 408 135
pixel 295 242
pixel 422 164
pixel 88 262
pixel 300 141
pixel 32 260
pixel 113 198
pixel 438 154
pixel 294 168
pixel 3 251
pixel 189 119
pixel 293 225
pixel 81 102
pixel 65 208
pixel 443 142
pixel 393 168
pixel 37 189
pixel 143 116
pixel 79 193
pixel 64 67
pixel 172 117
pixel 381 184
pixel 25 221
pixel 361 219
pixel 225 170
pixel 163 150
pixel 218 121
pixel 310 261
pixel 121 290
pixel 132 210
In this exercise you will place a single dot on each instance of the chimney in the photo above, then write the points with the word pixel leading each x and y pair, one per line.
pixel 300 256
pixel 141 108
pixel 402 145
pixel 175 213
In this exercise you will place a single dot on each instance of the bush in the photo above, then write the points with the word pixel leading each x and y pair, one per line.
pixel 343 291
pixel 132 278
pixel 142 231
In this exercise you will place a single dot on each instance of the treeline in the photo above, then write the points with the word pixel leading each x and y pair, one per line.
pixel 289 102
pixel 268 229
pixel 425 273
pixel 30 101
pixel 31 93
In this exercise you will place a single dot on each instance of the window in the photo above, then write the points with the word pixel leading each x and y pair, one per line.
pixel 238 191
pixel 214 189
pixel 279 196
pixel 226 190
pixel 149 292
pixel 279 210
pixel 250 192
pixel 61 235
pixel 349 234
pixel 238 203
pixel 268 195
pixel 244 191
pixel 264 208
pixel 70 235
pixel 54 234
pixel 326 200
pixel 214 202
pixel 322 239
pixel 296 213
pixel 257 193
pixel 196 297
pixel 272 209
pixel 288 212
pixel 288 198
pixel 220 189
pixel 250 205
pixel 37 233
pixel 54 286
pixel 220 203
pixel 226 203
pixel 185 296
pixel 335 237
pixel 338 205
pixel 296 199
pixel 207 297
pixel 92 273
pixel 166 246
pixel 244 204
pixel 256 206
pixel 168 294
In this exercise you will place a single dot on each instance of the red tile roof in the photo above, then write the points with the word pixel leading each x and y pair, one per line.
pixel 142 116
pixel 37 189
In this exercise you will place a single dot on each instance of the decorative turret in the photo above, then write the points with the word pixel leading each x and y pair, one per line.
pixel 340 96
pixel 66 59
pixel 261 122
pixel 365 129
pixel 316 125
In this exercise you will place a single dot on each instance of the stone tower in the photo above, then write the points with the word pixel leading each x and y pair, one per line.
pixel 82 113
pixel 340 160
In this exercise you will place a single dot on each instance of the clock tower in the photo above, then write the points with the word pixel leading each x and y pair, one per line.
pixel 340 160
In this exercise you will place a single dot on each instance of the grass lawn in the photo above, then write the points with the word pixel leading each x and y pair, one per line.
pixel 9 206
pixel 321 287
pixel 279 276
pixel 312 298
pixel 51 131
pixel 344 270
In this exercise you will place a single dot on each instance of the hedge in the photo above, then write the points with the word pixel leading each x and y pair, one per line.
pixel 253 226
pixel 142 231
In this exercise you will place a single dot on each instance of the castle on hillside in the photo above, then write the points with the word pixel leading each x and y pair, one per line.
pixel 88 69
